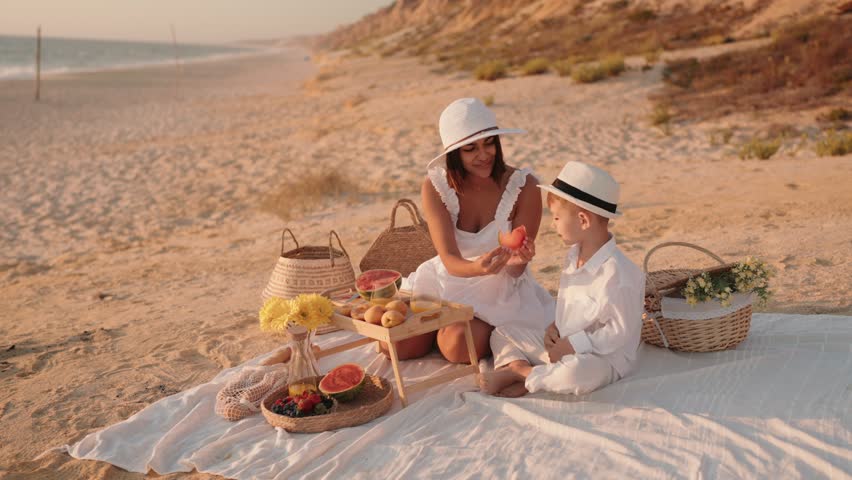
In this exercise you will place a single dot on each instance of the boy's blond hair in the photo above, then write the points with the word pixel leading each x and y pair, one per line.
pixel 553 198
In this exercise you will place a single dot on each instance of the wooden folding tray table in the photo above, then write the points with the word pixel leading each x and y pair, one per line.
pixel 415 324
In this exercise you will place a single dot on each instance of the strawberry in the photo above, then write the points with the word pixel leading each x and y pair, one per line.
pixel 305 405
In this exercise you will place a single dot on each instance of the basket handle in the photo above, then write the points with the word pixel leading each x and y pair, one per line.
pixel 331 249
pixel 283 238
pixel 654 289
pixel 680 244
pixel 416 219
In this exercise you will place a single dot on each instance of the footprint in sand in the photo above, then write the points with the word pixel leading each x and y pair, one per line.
pixel 822 262
pixel 787 262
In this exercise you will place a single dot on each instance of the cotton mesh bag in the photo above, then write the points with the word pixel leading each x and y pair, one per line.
pixel 241 396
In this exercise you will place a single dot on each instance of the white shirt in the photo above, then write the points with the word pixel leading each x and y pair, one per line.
pixel 599 307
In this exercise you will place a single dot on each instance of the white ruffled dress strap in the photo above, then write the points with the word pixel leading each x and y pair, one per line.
pixel 438 177
pixel 511 193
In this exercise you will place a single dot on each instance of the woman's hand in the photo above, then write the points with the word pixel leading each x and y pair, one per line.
pixel 523 255
pixel 492 262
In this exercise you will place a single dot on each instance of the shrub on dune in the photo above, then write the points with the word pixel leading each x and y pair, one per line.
pixel 760 148
pixel 536 66
pixel 490 71
pixel 588 73
pixel 613 64
pixel 834 144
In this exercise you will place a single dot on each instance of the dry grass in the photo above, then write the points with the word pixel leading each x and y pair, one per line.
pixel 588 73
pixel 308 192
pixel 760 148
pixel 652 56
pixel 836 115
pixel 536 66
pixel 834 144
pixel 613 65
pixel 806 64
pixel 488 100
pixel 563 67
pixel 609 66
pixel 721 136
pixel 642 15
pixel 490 71
pixel 661 118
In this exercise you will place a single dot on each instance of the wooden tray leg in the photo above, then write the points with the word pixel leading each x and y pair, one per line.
pixel 471 350
pixel 399 385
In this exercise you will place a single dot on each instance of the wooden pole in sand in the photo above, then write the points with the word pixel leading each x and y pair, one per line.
pixel 38 64
pixel 177 61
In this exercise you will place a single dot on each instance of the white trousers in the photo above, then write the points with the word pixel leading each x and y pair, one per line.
pixel 576 374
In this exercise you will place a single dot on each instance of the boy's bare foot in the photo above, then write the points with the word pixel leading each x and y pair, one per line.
pixel 514 390
pixel 492 382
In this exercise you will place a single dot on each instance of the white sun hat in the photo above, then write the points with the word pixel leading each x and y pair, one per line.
pixel 587 186
pixel 465 121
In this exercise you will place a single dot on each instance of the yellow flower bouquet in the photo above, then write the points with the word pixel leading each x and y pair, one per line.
pixel 307 310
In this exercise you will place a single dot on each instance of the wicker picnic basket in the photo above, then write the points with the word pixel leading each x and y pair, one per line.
pixel 375 399
pixel 401 248
pixel 686 335
pixel 309 269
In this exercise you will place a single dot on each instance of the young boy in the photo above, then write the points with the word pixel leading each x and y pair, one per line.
pixel 594 340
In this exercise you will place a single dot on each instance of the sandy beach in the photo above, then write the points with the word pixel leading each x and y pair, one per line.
pixel 137 233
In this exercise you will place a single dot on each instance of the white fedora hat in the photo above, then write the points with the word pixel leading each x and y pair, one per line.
pixel 465 121
pixel 589 187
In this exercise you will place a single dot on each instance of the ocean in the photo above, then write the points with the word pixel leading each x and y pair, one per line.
pixel 66 55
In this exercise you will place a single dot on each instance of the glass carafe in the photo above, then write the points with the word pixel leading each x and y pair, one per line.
pixel 303 371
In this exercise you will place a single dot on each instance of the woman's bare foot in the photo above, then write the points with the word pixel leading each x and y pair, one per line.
pixel 492 382
pixel 514 390
pixel 282 355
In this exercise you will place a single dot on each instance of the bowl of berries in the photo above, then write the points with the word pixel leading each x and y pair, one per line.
pixel 314 412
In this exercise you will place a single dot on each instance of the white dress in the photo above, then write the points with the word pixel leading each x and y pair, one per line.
pixel 498 299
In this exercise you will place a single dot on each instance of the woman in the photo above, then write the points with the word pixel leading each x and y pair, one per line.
pixel 468 197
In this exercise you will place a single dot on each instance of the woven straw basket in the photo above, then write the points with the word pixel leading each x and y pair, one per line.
pixel 707 335
pixel 309 269
pixel 401 248
pixel 375 399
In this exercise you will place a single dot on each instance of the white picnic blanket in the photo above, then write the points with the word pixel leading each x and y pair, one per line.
pixel 776 407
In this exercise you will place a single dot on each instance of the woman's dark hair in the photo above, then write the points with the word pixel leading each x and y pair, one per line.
pixel 456 172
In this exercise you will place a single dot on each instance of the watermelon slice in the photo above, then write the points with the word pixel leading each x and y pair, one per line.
pixel 344 382
pixel 513 240
pixel 374 284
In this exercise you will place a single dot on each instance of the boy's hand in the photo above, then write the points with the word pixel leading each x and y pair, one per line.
pixel 551 335
pixel 559 349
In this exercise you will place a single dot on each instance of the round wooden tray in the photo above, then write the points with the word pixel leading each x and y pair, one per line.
pixel 375 399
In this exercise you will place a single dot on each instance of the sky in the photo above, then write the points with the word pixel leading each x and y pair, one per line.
pixel 203 21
